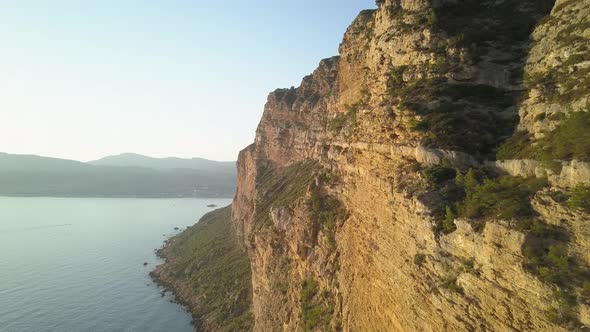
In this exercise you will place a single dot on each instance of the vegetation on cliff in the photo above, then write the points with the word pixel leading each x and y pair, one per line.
pixel 460 117
pixel 326 211
pixel 480 196
pixel 580 198
pixel 316 307
pixel 348 118
pixel 413 80
pixel 302 189
pixel 278 187
pixel 208 260
pixel 569 140
pixel 455 114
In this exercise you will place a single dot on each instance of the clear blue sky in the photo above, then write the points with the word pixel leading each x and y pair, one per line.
pixel 84 79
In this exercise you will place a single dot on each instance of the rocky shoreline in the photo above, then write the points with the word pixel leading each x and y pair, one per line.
pixel 163 276
pixel 208 273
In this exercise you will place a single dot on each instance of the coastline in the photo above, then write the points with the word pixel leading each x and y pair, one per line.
pixel 208 273
pixel 163 275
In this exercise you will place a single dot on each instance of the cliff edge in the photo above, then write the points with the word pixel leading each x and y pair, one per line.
pixel 435 176
pixel 432 177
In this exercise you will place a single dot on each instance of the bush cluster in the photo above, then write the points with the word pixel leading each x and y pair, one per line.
pixel 570 140
pixel 279 187
pixel 504 198
pixel 466 118
pixel 316 308
pixel 348 118
pixel 563 311
pixel 326 212
pixel 479 195
pixel 580 198
pixel 439 174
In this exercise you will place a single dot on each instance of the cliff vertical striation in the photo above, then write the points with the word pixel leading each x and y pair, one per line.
pixel 432 177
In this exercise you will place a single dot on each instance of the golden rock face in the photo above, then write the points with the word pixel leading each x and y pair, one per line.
pixel 383 266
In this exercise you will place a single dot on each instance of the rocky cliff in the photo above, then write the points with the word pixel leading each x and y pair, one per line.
pixel 433 177
pixel 429 178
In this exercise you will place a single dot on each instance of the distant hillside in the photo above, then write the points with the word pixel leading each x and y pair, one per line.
pixel 137 160
pixel 29 175
pixel 32 163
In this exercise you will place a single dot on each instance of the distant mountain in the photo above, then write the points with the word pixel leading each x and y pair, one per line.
pixel 29 175
pixel 32 163
pixel 137 160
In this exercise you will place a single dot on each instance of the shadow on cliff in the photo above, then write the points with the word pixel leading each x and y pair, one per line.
pixel 478 107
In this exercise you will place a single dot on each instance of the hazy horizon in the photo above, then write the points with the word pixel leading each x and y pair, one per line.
pixel 116 155
pixel 186 78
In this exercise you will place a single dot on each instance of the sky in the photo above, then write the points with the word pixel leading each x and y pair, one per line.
pixel 186 78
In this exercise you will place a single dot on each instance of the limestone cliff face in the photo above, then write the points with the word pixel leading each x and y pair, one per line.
pixel 339 225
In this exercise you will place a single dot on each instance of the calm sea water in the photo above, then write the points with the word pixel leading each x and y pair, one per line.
pixel 69 264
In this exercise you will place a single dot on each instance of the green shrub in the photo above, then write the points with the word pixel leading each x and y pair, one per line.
pixel 479 196
pixel 585 293
pixel 580 198
pixel 570 140
pixel 347 118
pixel 419 259
pixel 326 212
pixel 546 255
pixel 427 18
pixel 467 265
pixel 557 268
pixel 563 311
pixel 503 198
pixel 316 309
pixel 441 64
pixel 557 116
pixel 449 221
pixel 559 196
pixel 414 165
pixel 437 175
pixel 417 125
pixel 518 146
pixel 309 290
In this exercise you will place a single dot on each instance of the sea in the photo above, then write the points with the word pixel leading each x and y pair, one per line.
pixel 79 264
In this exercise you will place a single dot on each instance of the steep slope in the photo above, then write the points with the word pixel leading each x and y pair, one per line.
pixel 372 199
pixel 210 273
